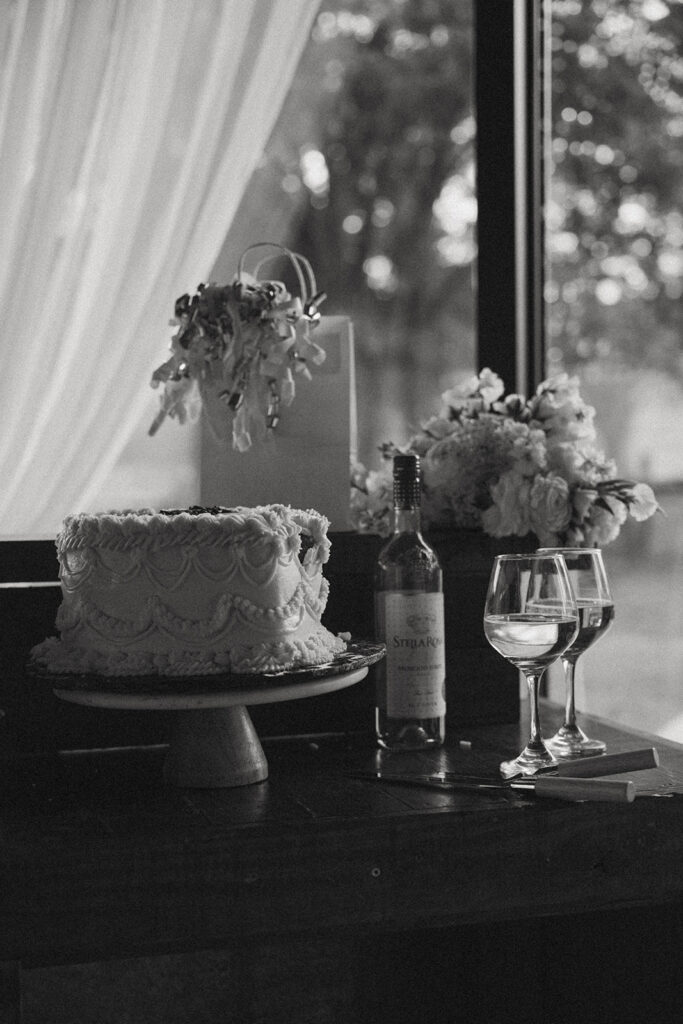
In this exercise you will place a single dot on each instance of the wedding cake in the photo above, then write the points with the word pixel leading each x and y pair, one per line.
pixel 191 592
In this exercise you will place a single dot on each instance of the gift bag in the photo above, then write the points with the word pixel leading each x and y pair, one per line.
pixel 305 461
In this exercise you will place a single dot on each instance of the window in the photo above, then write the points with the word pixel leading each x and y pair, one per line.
pixel 614 219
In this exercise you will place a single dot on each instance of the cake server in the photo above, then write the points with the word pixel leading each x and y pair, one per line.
pixel 552 786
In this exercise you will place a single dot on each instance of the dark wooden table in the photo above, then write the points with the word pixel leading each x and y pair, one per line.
pixel 344 900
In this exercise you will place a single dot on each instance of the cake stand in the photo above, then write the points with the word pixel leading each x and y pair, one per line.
pixel 213 740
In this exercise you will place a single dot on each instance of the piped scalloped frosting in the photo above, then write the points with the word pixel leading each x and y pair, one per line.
pixel 191 592
pixel 319 647
pixel 271 527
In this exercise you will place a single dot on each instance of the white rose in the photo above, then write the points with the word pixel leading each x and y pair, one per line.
pixel 567 461
pixel 550 507
pixel 601 526
pixel 528 447
pixel 509 513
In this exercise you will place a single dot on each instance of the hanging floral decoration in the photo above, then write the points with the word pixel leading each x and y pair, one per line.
pixel 509 466
pixel 239 349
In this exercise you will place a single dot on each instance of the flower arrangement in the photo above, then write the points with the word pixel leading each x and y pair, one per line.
pixel 509 466
pixel 238 349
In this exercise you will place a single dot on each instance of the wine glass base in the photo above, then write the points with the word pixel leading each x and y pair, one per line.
pixel 529 762
pixel 568 745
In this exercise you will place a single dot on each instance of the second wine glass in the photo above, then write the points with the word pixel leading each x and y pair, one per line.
pixel 530 618
pixel 596 611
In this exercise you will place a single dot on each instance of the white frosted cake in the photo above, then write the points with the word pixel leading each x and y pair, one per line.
pixel 191 593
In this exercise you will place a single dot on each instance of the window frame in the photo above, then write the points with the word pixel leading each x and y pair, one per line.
pixel 512 107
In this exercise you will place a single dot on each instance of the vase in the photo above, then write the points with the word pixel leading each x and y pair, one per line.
pixel 481 686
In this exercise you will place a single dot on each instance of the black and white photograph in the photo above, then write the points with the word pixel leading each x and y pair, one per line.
pixel 341 511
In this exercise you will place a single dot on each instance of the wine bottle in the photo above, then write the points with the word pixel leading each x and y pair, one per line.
pixel 410 709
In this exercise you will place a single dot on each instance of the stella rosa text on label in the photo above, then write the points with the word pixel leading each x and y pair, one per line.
pixel 416 660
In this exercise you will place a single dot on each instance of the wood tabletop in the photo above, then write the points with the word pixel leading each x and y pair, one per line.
pixel 101 859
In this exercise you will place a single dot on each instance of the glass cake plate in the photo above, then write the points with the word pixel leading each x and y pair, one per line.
pixel 214 742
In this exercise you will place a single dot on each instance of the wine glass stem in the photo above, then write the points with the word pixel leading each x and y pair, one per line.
pixel 535 739
pixel 570 705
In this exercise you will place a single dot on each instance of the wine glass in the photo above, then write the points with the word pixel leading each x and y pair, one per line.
pixel 596 611
pixel 530 618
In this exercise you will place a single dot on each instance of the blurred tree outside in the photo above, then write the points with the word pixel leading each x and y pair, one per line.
pixel 615 222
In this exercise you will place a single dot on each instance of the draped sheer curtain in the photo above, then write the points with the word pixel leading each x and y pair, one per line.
pixel 128 132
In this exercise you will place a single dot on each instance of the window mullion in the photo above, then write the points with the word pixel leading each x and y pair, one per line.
pixel 509 94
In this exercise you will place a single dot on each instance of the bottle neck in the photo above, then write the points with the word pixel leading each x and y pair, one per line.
pixel 406 520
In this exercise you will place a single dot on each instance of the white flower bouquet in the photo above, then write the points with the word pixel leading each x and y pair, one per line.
pixel 510 467
pixel 238 349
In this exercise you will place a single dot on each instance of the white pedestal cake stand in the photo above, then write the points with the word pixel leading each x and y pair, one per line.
pixel 213 739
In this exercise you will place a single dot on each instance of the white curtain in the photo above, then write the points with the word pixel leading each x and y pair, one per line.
pixel 128 132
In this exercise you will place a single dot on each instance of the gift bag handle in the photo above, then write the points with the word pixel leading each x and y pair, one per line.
pixel 302 268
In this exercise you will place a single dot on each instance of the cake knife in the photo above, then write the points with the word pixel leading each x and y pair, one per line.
pixel 553 786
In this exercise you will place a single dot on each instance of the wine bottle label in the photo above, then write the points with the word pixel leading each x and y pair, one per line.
pixel 416 656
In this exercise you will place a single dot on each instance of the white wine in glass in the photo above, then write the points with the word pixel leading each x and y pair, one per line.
pixel 596 611
pixel 530 618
